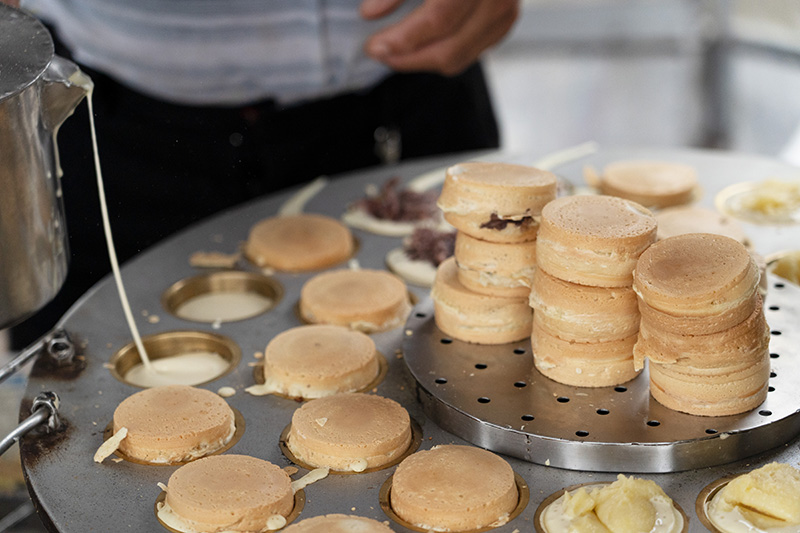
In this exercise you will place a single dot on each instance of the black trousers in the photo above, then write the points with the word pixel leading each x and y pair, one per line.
pixel 166 166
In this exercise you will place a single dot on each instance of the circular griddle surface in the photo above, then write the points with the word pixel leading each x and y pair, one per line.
pixel 77 495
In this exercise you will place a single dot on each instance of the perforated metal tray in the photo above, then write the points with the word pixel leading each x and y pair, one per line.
pixel 493 397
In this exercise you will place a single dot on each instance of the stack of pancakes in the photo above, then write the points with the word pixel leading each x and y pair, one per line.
pixel 585 317
pixel 480 295
pixel 702 326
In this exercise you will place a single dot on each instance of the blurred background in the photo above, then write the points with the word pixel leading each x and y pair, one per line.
pixel 703 73
pixel 721 74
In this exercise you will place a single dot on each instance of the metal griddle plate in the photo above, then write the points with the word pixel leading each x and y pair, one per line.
pixel 76 495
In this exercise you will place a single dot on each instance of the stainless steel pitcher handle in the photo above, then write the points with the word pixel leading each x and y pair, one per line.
pixel 56 343
pixel 43 411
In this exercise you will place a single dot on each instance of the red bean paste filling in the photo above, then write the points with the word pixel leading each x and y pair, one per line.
pixel 430 245
pixel 401 205
pixel 500 224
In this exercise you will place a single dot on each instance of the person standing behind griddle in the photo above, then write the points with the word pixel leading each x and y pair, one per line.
pixel 202 105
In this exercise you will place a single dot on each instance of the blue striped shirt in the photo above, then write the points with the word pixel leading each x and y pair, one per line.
pixel 222 52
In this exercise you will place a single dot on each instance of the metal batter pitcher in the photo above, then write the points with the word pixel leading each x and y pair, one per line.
pixel 38 91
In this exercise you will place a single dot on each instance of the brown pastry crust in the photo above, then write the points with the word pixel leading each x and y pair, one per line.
pixel 694 219
pixel 743 344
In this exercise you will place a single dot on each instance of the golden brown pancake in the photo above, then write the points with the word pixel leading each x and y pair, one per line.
pixel 710 391
pixel 581 313
pixel 695 219
pixel 582 364
pixel 228 493
pixel 744 343
pixel 593 240
pixel 349 432
pixel 297 243
pixel 698 275
pixel 649 183
pixel 496 202
pixel 473 317
pixel 496 269
pixel 318 360
pixel 365 300
pixel 453 488
pixel 173 423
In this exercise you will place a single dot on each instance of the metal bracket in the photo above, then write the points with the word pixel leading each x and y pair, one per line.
pixel 43 411
pixel 56 343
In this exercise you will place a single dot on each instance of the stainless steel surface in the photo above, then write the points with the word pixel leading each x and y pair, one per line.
pixel 27 50
pixel 490 395
pixel 43 412
pixel 76 495
pixel 37 92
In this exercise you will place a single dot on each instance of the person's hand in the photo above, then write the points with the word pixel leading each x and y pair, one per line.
pixel 444 36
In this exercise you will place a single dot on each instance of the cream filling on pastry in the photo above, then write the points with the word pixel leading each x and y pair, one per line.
pixel 495 279
pixel 595 261
pixel 370 327
pixel 733 521
pixel 480 322
pixel 360 219
pixel 414 271
pixel 555 519
pixel 172 519
pixel 277 385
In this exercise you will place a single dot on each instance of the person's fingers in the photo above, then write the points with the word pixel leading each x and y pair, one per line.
pixel 374 9
pixel 432 21
pixel 452 53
